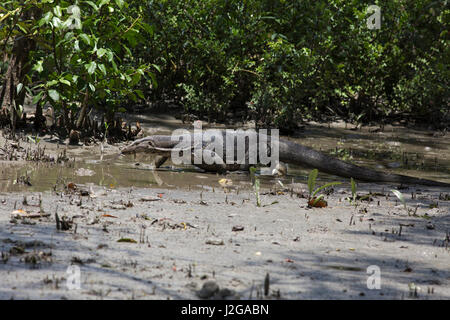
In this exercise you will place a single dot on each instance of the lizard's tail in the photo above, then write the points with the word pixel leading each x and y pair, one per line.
pixel 297 154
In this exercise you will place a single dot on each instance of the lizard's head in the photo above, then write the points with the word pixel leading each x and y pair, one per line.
pixel 147 145
pixel 156 144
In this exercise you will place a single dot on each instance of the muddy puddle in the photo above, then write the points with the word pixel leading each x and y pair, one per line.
pixel 121 173
pixel 398 150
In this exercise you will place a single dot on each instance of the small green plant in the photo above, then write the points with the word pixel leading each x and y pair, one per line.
pixel 358 120
pixel 400 196
pixel 256 185
pixel 354 197
pixel 409 211
pixel 353 183
pixel 353 200
pixel 341 152
pixel 312 183
pixel 34 140
pixel 106 129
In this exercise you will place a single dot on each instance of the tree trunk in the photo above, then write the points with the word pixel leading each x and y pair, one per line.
pixel 83 110
pixel 17 69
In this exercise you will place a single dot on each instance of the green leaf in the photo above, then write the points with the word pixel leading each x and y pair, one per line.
pixel 153 77
pixel 325 186
pixel 37 97
pixel 65 81
pixel 57 11
pixel 136 78
pixel 54 95
pixel 93 5
pixel 19 87
pixel 22 27
pixel 125 47
pixel 110 55
pixel 51 83
pixel 29 91
pixel 45 19
pixel 90 67
pixel 140 94
pixel 120 3
pixel 101 52
pixel 103 2
pixel 353 188
pixel 56 22
pixel 86 39
pixel 400 196
pixel 317 199
pixel 114 66
pixel 312 180
pixel 38 66
pixel 157 67
pixel 19 111
pixel 92 87
pixel 148 28
pixel 102 68
pixel 132 97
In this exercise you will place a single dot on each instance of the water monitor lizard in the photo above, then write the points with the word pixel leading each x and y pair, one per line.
pixel 289 152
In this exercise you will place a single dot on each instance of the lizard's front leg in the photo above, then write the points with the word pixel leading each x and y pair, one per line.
pixel 159 161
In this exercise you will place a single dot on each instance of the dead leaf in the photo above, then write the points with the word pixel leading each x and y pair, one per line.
pixel 150 199
pixel 215 242
pixel 23 214
pixel 19 212
pixel 71 186
pixel 317 204
pixel 127 240
pixel 108 216
pixel 225 182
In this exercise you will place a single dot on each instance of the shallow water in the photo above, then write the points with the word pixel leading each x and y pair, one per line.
pixel 400 150
pixel 397 150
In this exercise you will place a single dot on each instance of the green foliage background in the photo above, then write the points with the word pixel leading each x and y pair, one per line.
pixel 275 61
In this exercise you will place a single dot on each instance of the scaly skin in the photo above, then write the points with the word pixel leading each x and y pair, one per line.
pixel 289 152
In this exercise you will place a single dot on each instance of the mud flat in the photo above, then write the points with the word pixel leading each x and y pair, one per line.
pixel 141 243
